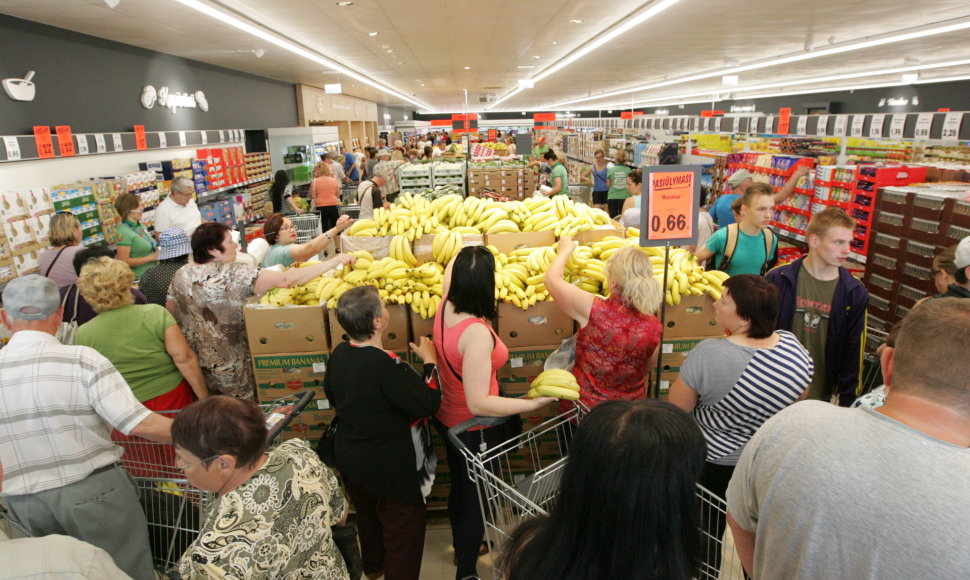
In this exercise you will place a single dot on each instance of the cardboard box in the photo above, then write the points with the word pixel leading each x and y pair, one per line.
pixel 694 316
pixel 395 337
pixel 591 236
pixel 508 242
pixel 378 246
pixel 285 374
pixel 288 329
pixel 419 326
pixel 880 308
pixel 523 366
pixel 924 230
pixel 881 286
pixel 673 352
pixel 544 323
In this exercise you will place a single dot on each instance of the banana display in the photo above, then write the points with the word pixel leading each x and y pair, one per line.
pixel 554 383
pixel 413 216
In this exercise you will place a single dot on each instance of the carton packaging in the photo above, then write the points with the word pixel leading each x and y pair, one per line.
pixel 285 374
pixel 419 326
pixel 544 323
pixel 508 242
pixel 591 236
pixel 694 316
pixel 289 329
pixel 379 247
pixel 395 336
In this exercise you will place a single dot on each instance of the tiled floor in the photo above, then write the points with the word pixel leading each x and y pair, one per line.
pixel 438 554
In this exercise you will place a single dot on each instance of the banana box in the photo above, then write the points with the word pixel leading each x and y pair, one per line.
pixel 285 329
pixel 694 316
pixel 544 323
pixel 395 336
pixel 378 246
pixel 311 423
pixel 506 243
pixel 419 326
pixel 285 374
pixel 589 237
pixel 523 366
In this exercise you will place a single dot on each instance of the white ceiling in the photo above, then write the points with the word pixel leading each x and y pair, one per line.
pixel 433 40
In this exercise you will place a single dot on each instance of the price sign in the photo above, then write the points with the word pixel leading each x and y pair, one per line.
pixel 205 137
pixel 45 144
pixel 222 136
pixel 784 121
pixel 65 141
pixel 669 199
pixel 923 123
pixel 951 127
pixel 769 123
pixel 840 122
pixel 823 125
pixel 141 142
pixel 99 143
pixel 802 128
pixel 696 123
pixel 737 124
pixel 875 126
pixel 116 141
pixel 896 126
pixel 82 144
pixel 162 140
pixel 858 121
pixel 182 140
pixel 12 147
pixel 717 124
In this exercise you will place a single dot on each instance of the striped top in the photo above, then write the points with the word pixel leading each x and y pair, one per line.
pixel 58 404
pixel 740 387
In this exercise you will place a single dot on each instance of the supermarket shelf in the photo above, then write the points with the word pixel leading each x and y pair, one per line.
pixel 211 193
pixel 102 143
pixel 781 232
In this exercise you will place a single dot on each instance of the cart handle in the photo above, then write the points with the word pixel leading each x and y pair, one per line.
pixel 291 412
pixel 460 428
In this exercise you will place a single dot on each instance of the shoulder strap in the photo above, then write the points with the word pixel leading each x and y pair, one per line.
pixel 730 244
pixel 54 261
pixel 444 354
pixel 769 244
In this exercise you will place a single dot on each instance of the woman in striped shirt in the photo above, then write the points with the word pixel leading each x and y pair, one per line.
pixel 734 384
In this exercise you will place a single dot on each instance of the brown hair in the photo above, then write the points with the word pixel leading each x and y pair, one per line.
pixel 757 302
pixel 272 227
pixel 831 217
pixel 946 261
pixel 930 352
pixel 357 309
pixel 64 227
pixel 221 425
pixel 208 236
pixel 753 191
pixel 125 203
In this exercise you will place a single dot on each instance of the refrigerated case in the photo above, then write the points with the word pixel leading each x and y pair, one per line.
pixel 297 149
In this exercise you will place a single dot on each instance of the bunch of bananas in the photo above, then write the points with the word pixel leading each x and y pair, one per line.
pixel 555 383
pixel 446 246
pixel 685 276
pixel 519 274
pixel 401 250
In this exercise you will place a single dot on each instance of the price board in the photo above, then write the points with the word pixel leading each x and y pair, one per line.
pixel 65 141
pixel 875 126
pixel 141 142
pixel 896 125
pixel 858 121
pixel 802 127
pixel 840 122
pixel 821 129
pixel 951 127
pixel 924 121
pixel 669 198
pixel 44 142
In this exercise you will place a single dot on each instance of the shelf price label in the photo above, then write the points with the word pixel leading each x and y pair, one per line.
pixel 99 145
pixel 858 121
pixel 784 120
pixel 141 142
pixel 205 137
pixel 769 123
pixel 875 126
pixel 12 147
pixel 717 124
pixel 923 123
pixel 823 124
pixel 116 141
pixel 82 144
pixel 737 124
pixel 669 200
pixel 182 138
pixel 162 139
pixel 65 141
pixel 222 136
pixel 951 127
pixel 802 128
pixel 896 126
pixel 44 141
pixel 840 123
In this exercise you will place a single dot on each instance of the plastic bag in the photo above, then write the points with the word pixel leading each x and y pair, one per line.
pixel 563 357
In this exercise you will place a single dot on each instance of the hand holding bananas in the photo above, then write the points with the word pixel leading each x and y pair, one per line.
pixel 557 383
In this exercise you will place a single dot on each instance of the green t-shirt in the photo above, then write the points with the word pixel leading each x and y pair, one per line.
pixel 616 177
pixel 133 339
pixel 749 255
pixel 277 254
pixel 538 151
pixel 559 170
pixel 136 237
pixel 813 307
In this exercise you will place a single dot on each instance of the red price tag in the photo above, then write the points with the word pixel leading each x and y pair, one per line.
pixel 65 141
pixel 671 205
pixel 491 134
pixel 45 145
pixel 784 121
pixel 141 142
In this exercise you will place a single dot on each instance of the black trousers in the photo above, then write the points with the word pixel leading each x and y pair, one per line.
pixel 329 214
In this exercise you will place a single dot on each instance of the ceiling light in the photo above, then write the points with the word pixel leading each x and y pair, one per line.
pixel 526 83
pixel 345 3
pixel 910 78
pixel 553 42
pixel 112 3
pixel 390 51
pixel 332 88
pixel 468 68
pixel 401 62
pixel 373 34
pixel 801 56
pixel 575 20
pixel 311 55
pixel 525 66
pixel 422 84
pixel 730 80
pixel 537 57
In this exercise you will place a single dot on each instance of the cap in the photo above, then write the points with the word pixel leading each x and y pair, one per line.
pixel 962 257
pixel 173 243
pixel 31 297
pixel 738 177
pixel 541 140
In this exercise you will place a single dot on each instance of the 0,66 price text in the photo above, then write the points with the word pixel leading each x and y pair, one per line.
pixel 673 223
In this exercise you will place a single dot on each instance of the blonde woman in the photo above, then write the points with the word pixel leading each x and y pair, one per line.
pixel 618 339
pixel 141 340
pixel 57 263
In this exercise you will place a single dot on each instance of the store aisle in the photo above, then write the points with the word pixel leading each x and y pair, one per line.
pixel 438 554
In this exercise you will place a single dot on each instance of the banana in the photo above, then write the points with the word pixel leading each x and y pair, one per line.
pixel 557 392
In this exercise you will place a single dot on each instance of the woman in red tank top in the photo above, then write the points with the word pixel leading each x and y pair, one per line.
pixel 470 353
pixel 616 345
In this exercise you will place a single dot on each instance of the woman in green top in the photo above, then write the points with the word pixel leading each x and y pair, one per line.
pixel 135 246
pixel 141 340
pixel 559 178
pixel 616 177
pixel 281 235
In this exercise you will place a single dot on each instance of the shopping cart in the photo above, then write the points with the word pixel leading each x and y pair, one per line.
pixel 581 194
pixel 307 226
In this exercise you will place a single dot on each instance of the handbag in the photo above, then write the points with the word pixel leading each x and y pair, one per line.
pixel 67 330
pixel 326 445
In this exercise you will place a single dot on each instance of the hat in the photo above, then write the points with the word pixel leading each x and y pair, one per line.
pixel 173 243
pixel 738 177
pixel 541 140
pixel 31 297
pixel 962 257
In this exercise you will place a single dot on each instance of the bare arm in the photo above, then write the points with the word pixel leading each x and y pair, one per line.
pixel 702 253
pixel 123 253
pixel 154 428
pixel 744 543
pixel 629 203
pixel 788 189
pixel 185 360
pixel 682 395
pixel 575 302
pixel 293 205
pixel 475 346
pixel 297 276
pixel 170 306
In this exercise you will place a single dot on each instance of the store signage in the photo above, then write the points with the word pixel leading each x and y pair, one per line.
pixel 172 101
pixel 743 108
pixel 923 123
pixel 669 199
pixel 182 140
pixel 205 137
pixel 441 123
pixel 717 124
pixel 784 121
pixel 141 142
pixel 99 145
pixel 44 142
pixel 875 126
pixel 65 142
pixel 625 114
pixel 12 147
pixel 769 123
pixel 20 89
pixel 840 123
pixel 951 127
pixel 896 126
pixel 858 121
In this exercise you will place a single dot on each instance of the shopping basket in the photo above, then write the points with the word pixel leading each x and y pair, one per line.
pixel 307 226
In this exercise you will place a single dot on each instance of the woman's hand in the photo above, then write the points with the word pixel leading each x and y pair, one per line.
pixel 341 259
pixel 343 223
pixel 425 349
pixel 540 402
pixel 567 245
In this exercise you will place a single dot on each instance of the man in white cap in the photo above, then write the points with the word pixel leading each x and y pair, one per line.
pixel 178 209
pixel 58 404
pixel 961 260
pixel 741 180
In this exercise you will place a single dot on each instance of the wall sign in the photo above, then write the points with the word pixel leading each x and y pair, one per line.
pixel 669 201
pixel 20 89
pixel 172 101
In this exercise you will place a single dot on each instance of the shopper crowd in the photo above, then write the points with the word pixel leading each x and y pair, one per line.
pixel 813 489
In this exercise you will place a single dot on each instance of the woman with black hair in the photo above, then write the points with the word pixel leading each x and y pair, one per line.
pixel 470 353
pixel 627 507
pixel 282 191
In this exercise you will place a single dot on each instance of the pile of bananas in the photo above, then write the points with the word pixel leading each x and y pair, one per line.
pixel 554 383
pixel 446 246
pixel 396 281
pixel 519 274
pixel 685 276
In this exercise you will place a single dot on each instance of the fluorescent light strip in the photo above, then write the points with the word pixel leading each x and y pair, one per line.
pixel 296 49
pixel 624 27
pixel 963 25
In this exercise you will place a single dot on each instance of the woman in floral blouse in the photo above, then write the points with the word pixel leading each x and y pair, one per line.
pixel 274 510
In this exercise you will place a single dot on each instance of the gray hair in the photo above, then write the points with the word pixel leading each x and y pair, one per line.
pixel 183 184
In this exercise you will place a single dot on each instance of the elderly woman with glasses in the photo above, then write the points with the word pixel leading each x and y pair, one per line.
pixel 281 235
pixel 136 247
pixel 274 509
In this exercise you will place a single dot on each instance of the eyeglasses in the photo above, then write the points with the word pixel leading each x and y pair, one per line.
pixel 288 227
pixel 185 467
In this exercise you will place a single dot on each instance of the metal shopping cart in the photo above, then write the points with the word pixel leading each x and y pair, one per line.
pixel 307 226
